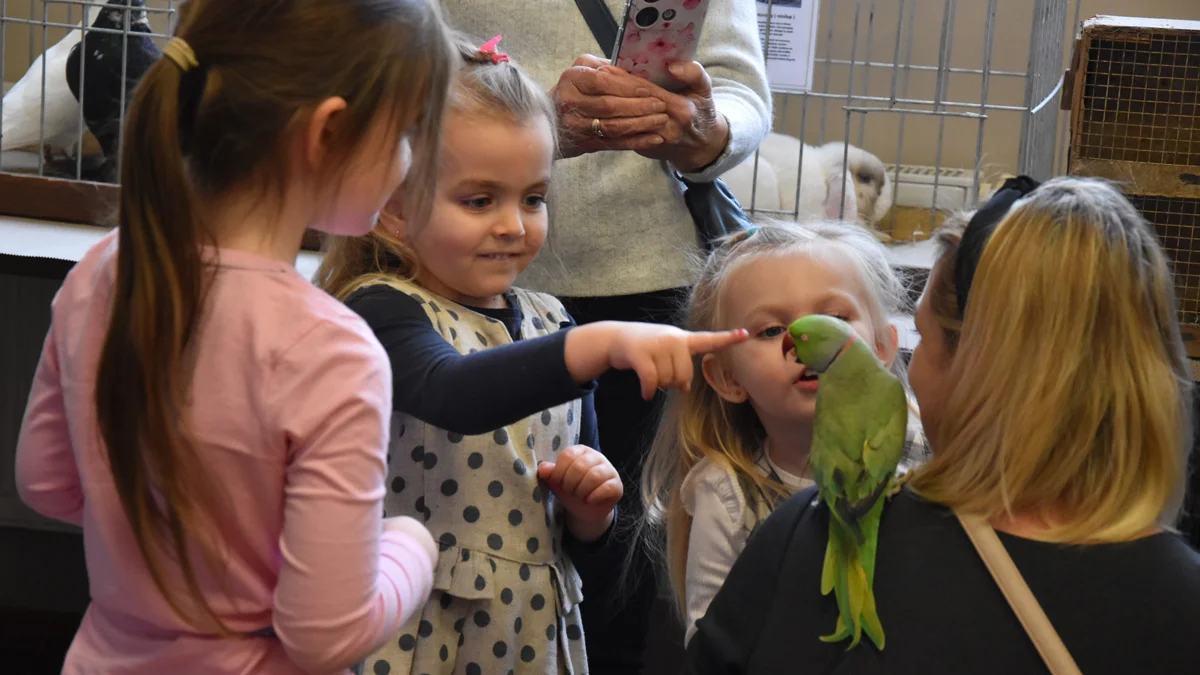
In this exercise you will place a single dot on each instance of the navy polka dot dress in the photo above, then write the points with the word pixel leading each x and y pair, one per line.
pixel 505 596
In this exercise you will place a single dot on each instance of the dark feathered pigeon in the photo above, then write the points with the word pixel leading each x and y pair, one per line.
pixel 99 57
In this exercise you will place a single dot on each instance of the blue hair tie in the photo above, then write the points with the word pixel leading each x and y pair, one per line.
pixel 752 230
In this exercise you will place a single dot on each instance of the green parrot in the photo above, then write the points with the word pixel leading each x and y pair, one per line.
pixel 858 441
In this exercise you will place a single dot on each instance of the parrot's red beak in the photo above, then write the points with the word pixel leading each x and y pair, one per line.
pixel 789 345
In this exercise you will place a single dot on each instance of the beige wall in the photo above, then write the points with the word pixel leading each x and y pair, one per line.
pixel 1010 53
pixel 1001 130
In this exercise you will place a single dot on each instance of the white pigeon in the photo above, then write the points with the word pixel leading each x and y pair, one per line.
pixel 22 123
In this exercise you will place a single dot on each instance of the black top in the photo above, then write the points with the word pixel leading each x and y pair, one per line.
pixel 1119 608
pixel 483 391
pixel 474 393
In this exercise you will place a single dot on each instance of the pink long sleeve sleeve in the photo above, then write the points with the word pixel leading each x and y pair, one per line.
pixel 343 589
pixel 46 472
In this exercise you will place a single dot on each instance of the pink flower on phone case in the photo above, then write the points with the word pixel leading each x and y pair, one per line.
pixel 633 62
pixel 661 46
pixel 658 33
pixel 687 35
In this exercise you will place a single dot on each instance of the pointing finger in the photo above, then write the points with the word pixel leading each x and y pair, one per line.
pixel 703 343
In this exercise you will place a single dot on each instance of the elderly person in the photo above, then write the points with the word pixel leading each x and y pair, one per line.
pixel 621 237
pixel 1059 414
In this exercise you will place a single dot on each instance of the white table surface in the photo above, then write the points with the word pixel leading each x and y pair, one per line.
pixel 64 241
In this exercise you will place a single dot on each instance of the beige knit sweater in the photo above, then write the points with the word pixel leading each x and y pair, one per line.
pixel 618 223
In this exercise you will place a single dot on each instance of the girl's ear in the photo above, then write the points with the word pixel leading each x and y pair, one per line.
pixel 392 217
pixel 319 129
pixel 887 352
pixel 717 374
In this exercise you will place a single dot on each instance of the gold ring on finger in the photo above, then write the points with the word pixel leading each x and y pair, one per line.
pixel 597 129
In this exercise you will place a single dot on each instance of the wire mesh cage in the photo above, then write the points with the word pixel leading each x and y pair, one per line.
pixel 70 67
pixel 943 98
pixel 1136 120
pixel 946 98
pixel 1140 98
pixel 1177 222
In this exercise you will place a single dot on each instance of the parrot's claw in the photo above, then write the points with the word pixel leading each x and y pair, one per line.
pixel 898 483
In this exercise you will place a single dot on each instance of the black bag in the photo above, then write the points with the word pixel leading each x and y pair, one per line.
pixel 714 209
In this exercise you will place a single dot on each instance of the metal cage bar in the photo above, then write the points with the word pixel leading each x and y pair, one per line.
pixel 931 97
pixel 890 80
pixel 1040 126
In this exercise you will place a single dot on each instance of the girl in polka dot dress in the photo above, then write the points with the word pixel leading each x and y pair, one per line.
pixel 494 434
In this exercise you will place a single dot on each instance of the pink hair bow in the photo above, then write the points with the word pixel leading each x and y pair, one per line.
pixel 489 48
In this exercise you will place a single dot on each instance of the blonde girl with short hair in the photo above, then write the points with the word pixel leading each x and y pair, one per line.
pixel 737 443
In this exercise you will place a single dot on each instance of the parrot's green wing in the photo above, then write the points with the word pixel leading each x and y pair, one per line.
pixel 858 442
pixel 884 446
pixel 882 453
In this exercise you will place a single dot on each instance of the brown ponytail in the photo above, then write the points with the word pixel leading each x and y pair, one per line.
pixel 142 381
pixel 261 65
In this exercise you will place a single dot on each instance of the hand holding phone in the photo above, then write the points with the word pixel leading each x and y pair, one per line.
pixel 656 33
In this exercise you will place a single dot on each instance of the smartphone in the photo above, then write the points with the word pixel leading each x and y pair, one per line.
pixel 656 33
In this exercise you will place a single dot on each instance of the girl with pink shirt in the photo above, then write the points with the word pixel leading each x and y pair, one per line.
pixel 215 424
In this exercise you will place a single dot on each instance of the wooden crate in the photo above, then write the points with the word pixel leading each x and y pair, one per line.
pixel 1135 118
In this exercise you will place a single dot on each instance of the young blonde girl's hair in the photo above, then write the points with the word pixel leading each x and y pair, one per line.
pixel 495 88
pixel 699 423
pixel 1069 389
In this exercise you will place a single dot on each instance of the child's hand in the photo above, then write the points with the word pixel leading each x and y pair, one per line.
pixel 660 355
pixel 588 487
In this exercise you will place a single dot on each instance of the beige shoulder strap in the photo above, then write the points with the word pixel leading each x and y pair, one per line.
pixel 1037 625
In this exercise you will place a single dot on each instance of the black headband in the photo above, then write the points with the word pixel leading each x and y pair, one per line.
pixel 979 230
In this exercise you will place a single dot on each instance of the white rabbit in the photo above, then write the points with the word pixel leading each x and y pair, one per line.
pixel 872 185
pixel 767 196
pixel 863 193
pixel 820 196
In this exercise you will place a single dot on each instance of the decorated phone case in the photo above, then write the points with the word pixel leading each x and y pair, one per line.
pixel 656 33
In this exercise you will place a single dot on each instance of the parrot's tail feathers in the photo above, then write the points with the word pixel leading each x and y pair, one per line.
pixel 857 587
pixel 842 587
pixel 829 571
pixel 859 591
pixel 840 632
pixel 867 552
pixel 870 621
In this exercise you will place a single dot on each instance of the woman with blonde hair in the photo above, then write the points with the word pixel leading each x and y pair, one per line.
pixel 1057 405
